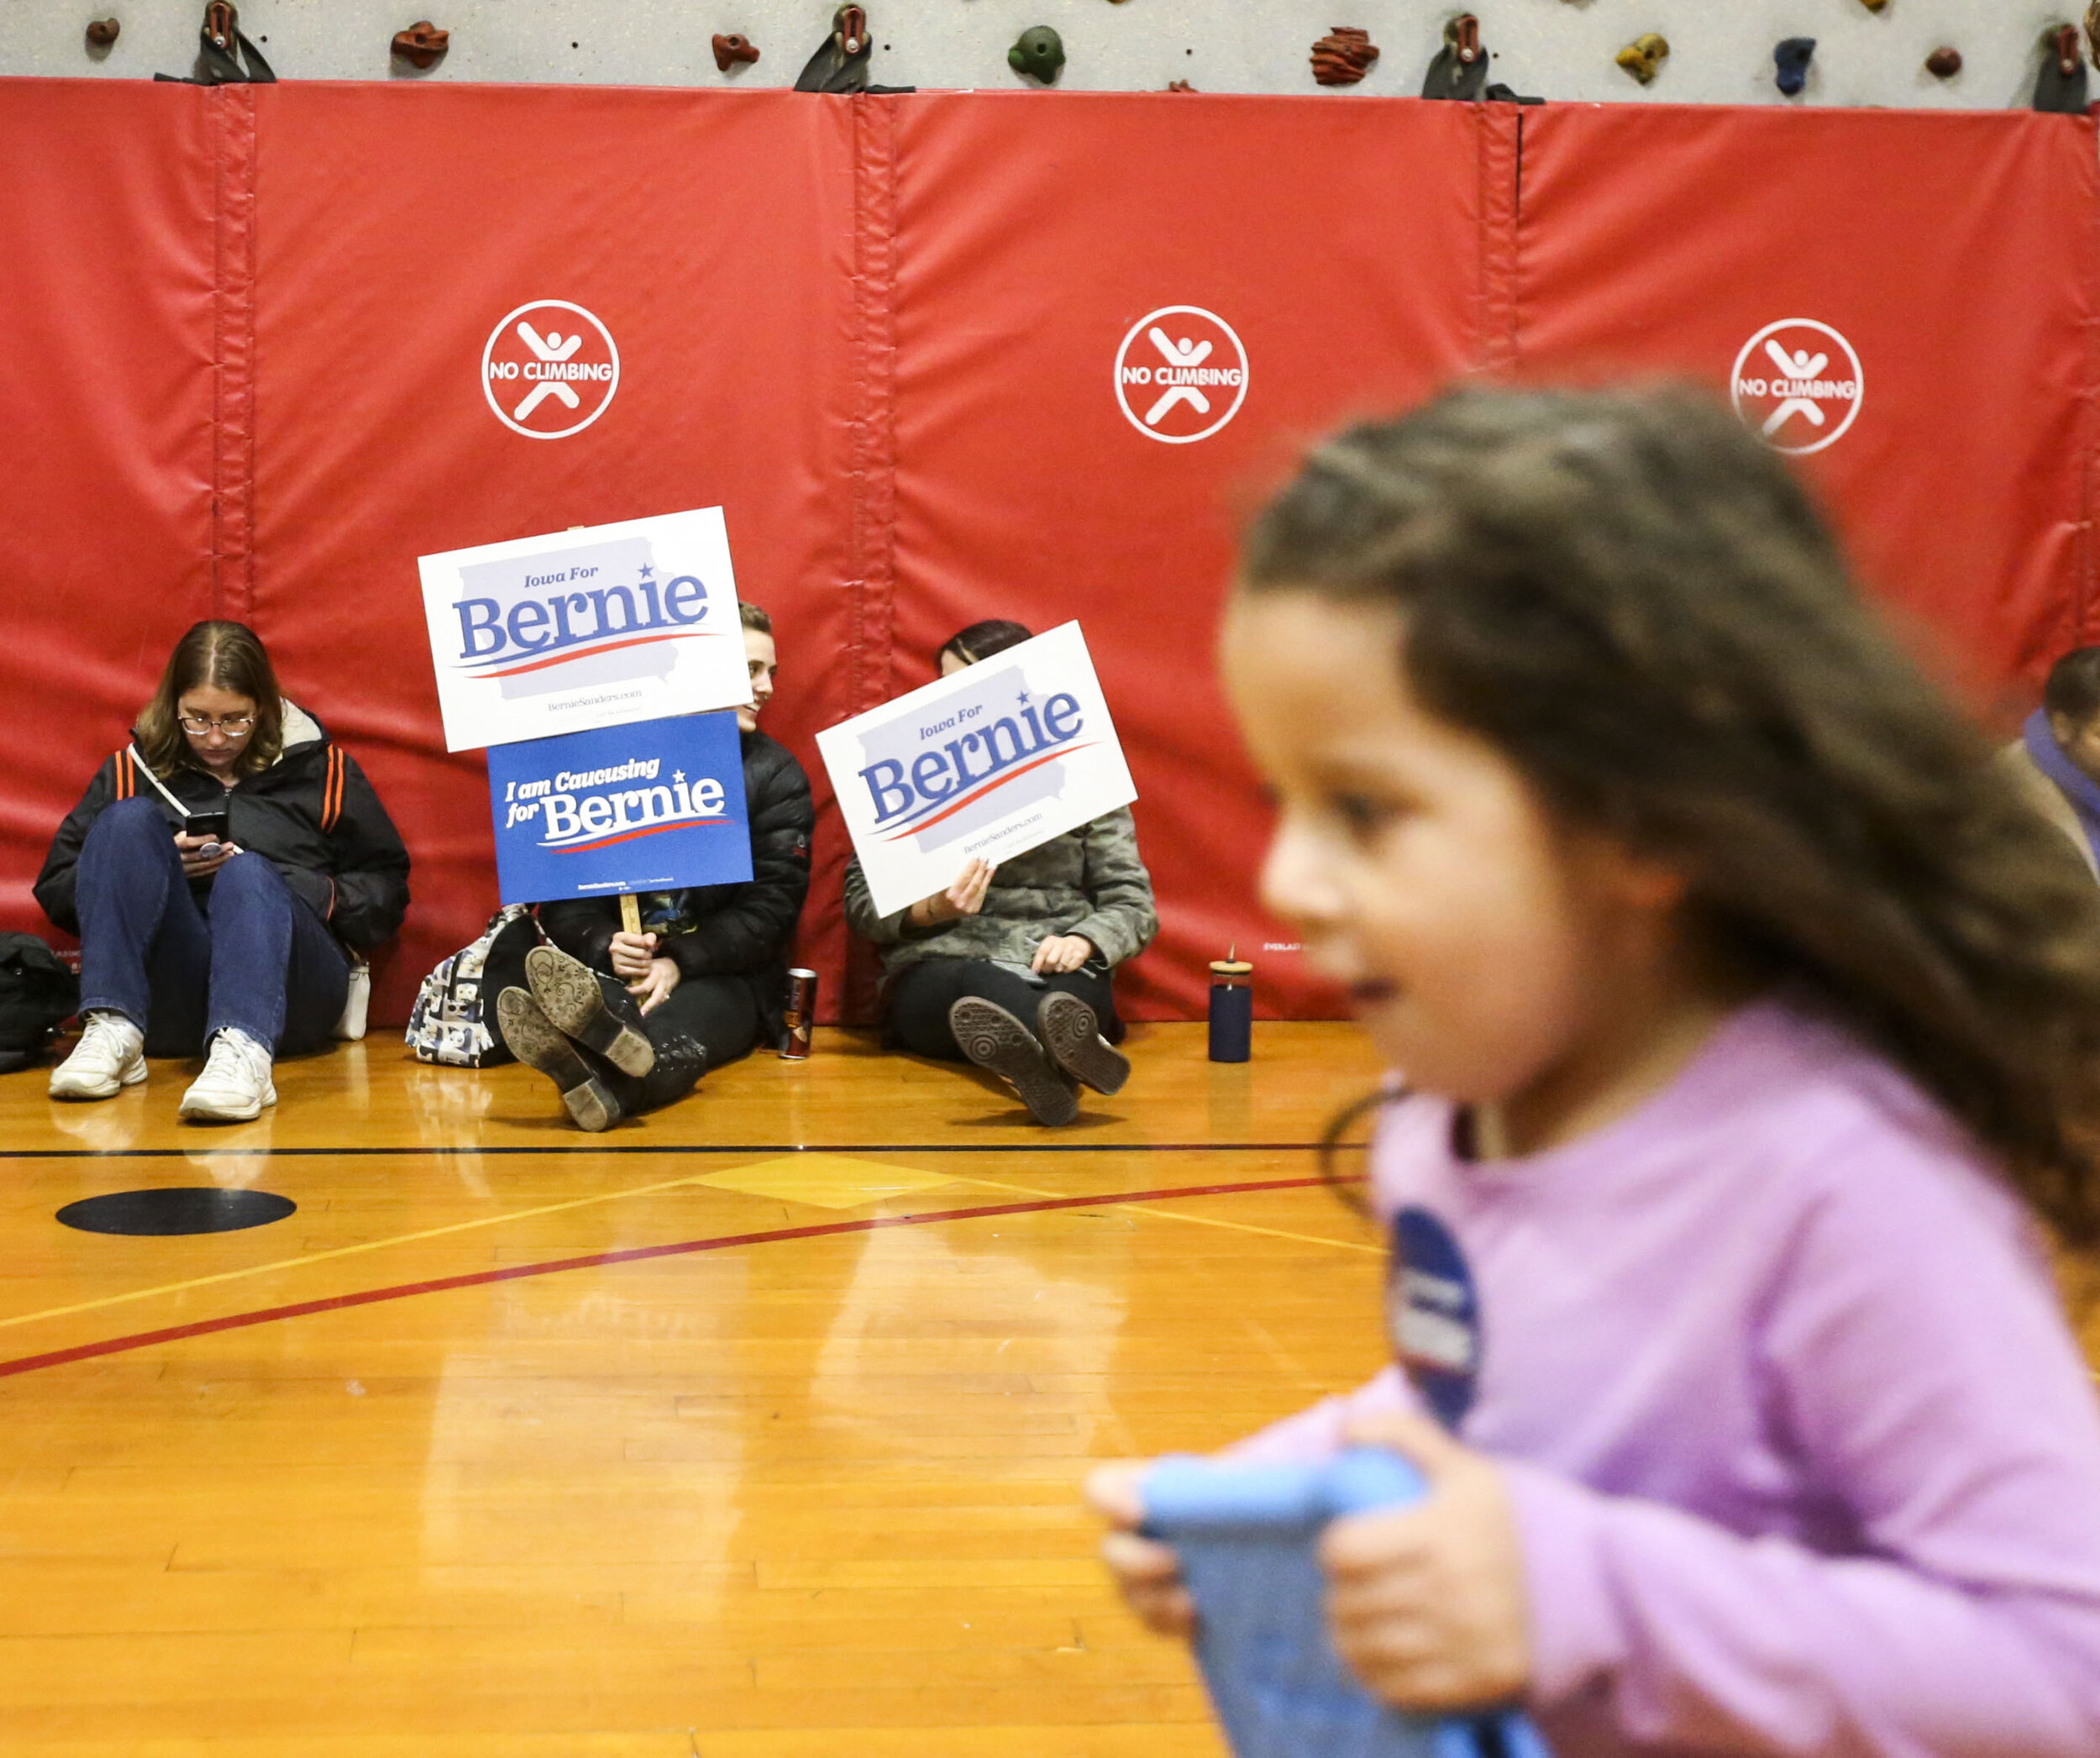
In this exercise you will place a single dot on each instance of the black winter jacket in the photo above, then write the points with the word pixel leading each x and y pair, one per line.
pixel 312 813
pixel 740 930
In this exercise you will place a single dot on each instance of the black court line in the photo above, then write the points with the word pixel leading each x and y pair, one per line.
pixel 204 1147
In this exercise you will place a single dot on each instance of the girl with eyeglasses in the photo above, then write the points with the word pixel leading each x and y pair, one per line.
pixel 218 871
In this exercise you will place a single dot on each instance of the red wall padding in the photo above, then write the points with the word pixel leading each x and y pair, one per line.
pixel 1024 256
pixel 714 240
pixel 1955 253
pixel 881 332
pixel 107 232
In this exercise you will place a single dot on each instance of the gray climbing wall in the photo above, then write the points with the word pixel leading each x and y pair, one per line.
pixel 1560 49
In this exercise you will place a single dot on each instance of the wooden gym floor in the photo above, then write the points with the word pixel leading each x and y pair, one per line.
pixel 753 1429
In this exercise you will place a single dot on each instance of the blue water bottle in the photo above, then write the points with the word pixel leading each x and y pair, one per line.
pixel 1231 1009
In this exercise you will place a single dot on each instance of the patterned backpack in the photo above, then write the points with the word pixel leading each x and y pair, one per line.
pixel 449 1024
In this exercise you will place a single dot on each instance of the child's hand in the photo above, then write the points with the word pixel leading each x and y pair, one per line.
pixel 1427 1603
pixel 1148 1574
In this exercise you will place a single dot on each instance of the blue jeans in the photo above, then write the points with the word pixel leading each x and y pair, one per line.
pixel 253 957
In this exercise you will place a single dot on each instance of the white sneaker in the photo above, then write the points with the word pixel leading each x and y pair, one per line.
pixel 235 1085
pixel 110 1055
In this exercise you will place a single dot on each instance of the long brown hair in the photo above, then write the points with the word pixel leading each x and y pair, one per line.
pixel 220 655
pixel 1633 600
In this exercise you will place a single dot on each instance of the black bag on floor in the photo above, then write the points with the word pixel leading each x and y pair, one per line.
pixel 37 995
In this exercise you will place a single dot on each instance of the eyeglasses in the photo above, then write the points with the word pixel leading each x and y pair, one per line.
pixel 234 726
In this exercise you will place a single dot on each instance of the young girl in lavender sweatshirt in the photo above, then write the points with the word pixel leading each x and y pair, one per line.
pixel 1751 1023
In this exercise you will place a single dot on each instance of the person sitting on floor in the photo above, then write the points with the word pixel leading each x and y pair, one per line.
pixel 625 1023
pixel 2056 758
pixel 1011 967
pixel 232 944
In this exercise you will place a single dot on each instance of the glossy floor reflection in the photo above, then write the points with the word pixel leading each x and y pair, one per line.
pixel 749 1430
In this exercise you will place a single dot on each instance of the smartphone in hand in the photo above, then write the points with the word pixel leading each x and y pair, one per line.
pixel 214 826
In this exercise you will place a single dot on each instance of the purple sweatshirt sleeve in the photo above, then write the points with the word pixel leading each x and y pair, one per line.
pixel 1916 1360
pixel 1317 1433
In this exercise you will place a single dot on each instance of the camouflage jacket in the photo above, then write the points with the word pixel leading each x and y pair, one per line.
pixel 1088 881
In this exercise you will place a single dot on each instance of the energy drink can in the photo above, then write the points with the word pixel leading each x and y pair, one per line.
pixel 801 1014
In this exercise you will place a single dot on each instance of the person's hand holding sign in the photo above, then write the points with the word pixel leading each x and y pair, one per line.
pixel 649 979
pixel 965 897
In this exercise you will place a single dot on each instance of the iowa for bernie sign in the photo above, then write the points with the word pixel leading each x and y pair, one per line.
pixel 1000 758
pixel 656 806
pixel 600 626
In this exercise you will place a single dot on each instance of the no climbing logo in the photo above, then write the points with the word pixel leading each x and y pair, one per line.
pixel 1180 374
pixel 1799 383
pixel 549 370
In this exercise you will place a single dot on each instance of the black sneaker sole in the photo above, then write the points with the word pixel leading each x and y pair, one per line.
pixel 535 1039
pixel 1072 1034
pixel 994 1040
pixel 569 995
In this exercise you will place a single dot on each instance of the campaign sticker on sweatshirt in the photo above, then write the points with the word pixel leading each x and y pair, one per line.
pixel 1433 1314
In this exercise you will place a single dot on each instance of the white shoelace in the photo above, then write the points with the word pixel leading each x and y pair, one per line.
pixel 107 1031
pixel 243 1056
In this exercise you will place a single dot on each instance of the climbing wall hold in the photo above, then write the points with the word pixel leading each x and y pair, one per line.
pixel 102 32
pixel 1643 57
pixel 841 62
pixel 1944 63
pixel 1343 56
pixel 1874 6
pixel 1176 85
pixel 1039 53
pixel 423 45
pixel 731 49
pixel 1460 70
pixel 224 55
pixel 1791 58
pixel 2061 86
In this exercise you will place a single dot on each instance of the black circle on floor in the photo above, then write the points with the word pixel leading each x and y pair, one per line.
pixel 141 1213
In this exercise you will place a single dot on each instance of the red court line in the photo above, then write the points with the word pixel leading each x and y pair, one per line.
pixel 596 1260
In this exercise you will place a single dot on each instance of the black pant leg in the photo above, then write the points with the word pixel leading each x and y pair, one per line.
pixel 718 1013
pixel 916 1003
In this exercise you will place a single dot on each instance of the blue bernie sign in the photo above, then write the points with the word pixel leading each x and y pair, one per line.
pixel 654 806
